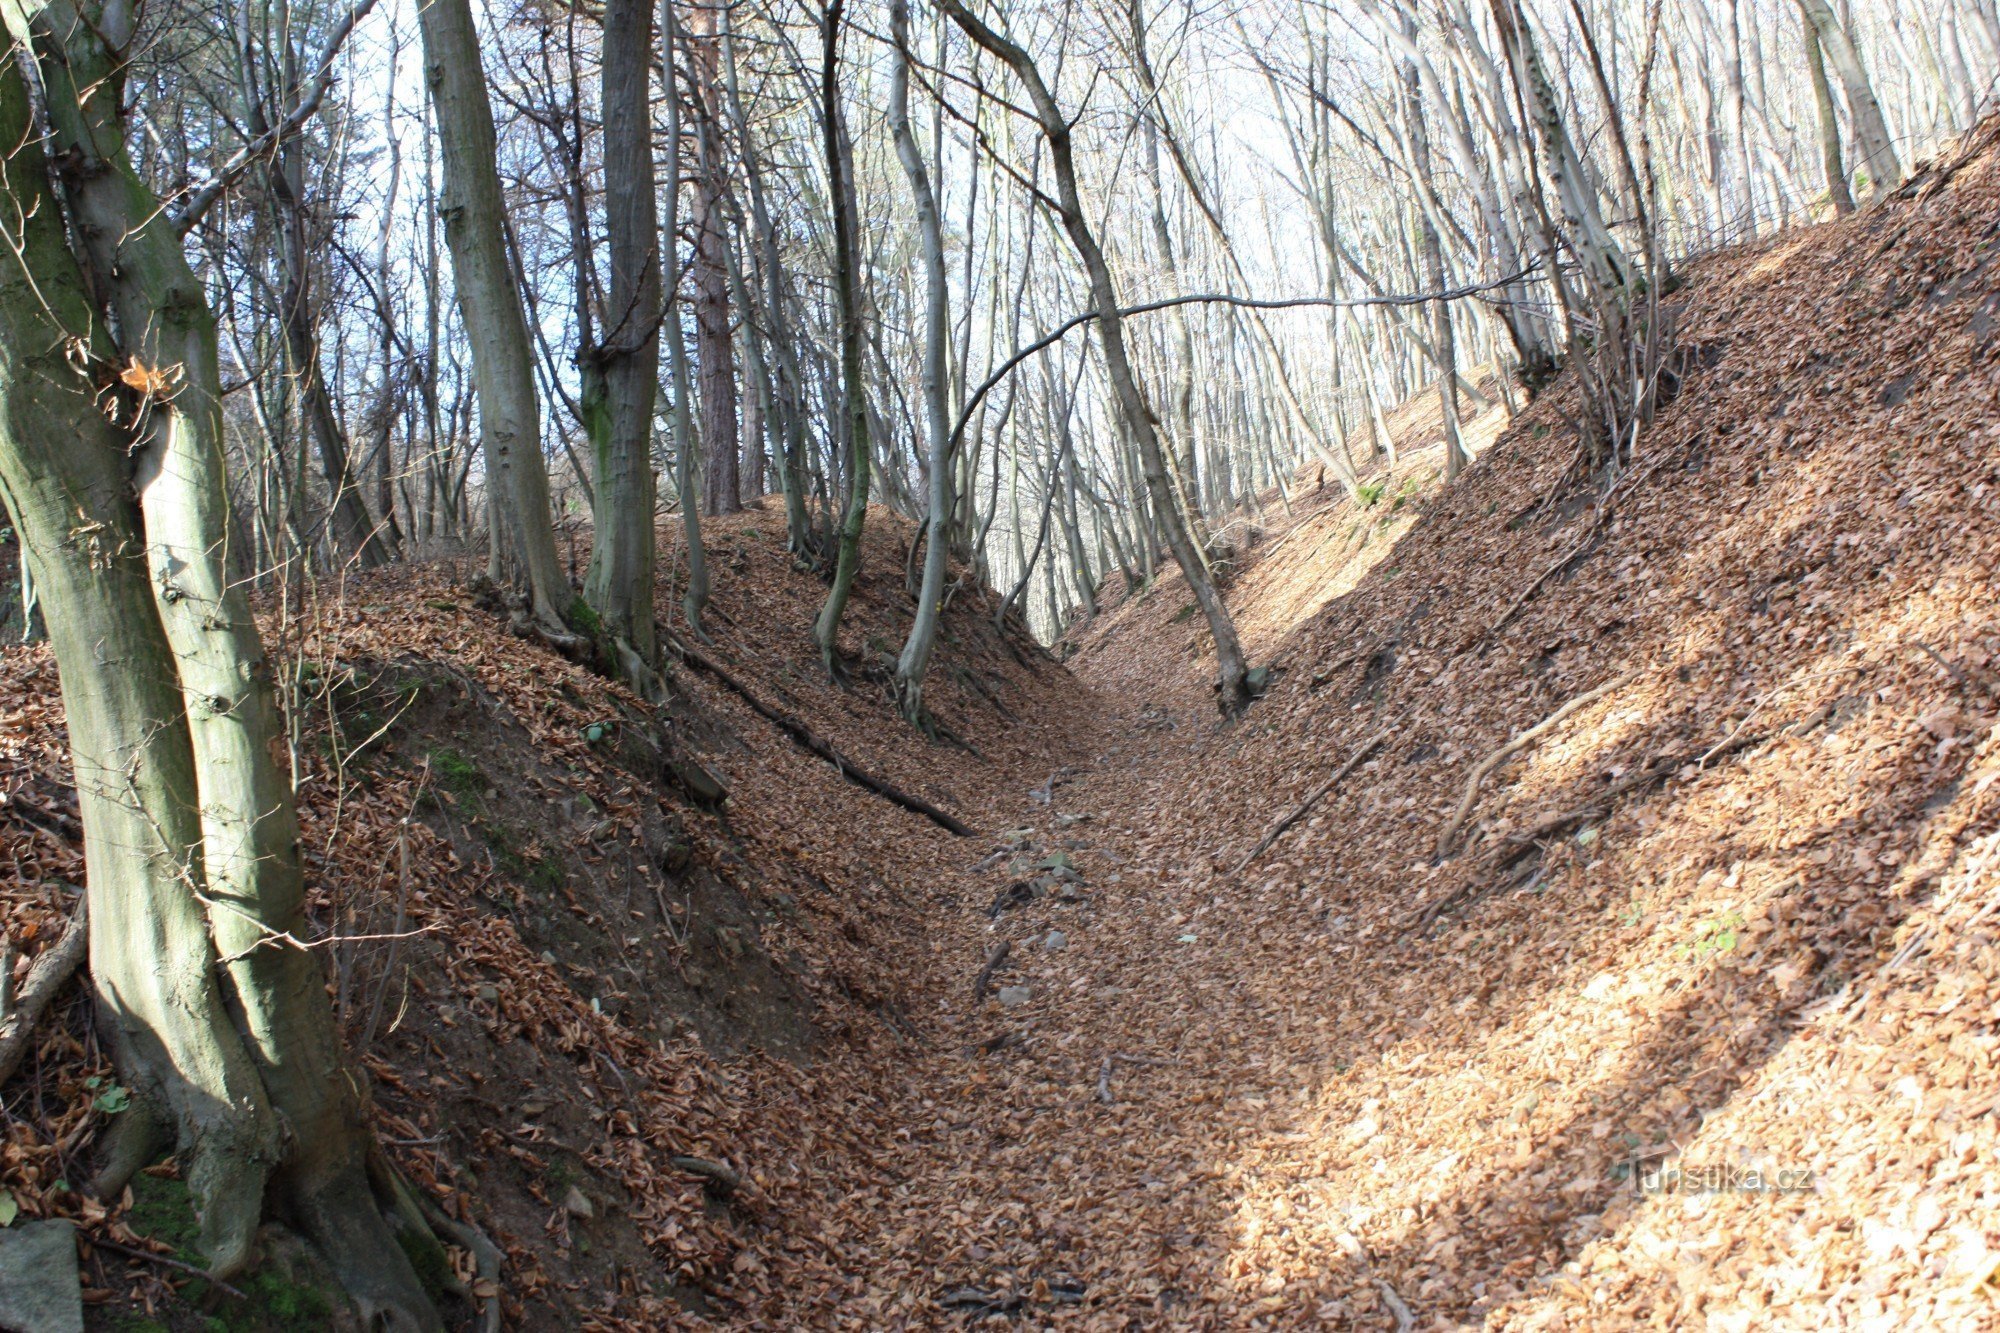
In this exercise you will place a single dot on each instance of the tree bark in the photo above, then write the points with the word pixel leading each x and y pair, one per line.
pixel 854 384
pixel 194 856
pixel 1831 165
pixel 687 456
pixel 1871 132
pixel 916 655
pixel 619 586
pixel 715 349
pixel 503 366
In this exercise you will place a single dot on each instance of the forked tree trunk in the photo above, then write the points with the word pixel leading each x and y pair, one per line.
pixel 916 656
pixel 619 587
pixel 503 367
pixel 191 835
pixel 1233 687
pixel 1871 132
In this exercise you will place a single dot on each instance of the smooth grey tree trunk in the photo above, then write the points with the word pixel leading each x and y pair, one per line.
pixel 489 303
pixel 1871 132
pixel 687 455
pixel 1838 194
pixel 916 655
pixel 854 386
pixel 1233 686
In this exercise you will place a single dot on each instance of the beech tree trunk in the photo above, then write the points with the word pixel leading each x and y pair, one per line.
pixel 619 587
pixel 687 449
pixel 715 345
pixel 503 367
pixel 179 752
pixel 1871 132
pixel 854 385
pixel 916 655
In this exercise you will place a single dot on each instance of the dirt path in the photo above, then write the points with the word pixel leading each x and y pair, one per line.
pixel 1086 1128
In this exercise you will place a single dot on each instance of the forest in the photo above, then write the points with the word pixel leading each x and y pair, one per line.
pixel 856 664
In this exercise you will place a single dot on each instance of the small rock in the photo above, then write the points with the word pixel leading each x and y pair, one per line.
pixel 1055 941
pixel 548 956
pixel 576 1205
pixel 1013 997
pixel 38 1283
pixel 488 992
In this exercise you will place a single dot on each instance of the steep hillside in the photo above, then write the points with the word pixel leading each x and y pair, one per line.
pixel 1285 1023
pixel 569 964
pixel 1733 911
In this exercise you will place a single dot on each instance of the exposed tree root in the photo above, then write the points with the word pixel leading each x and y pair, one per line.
pixel 486 1258
pixel 810 741
pixel 1304 807
pixel 1505 868
pixel 993 962
pixel 51 971
pixel 718 1180
pixel 1512 747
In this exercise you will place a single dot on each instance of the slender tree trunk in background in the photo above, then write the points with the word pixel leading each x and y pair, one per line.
pixel 687 457
pixel 854 385
pixel 1233 685
pixel 354 530
pixel 489 303
pixel 1181 445
pixel 619 587
pixel 1871 132
pixel 787 381
pixel 1455 456
pixel 715 350
pixel 916 656
pixel 1835 170
pixel 201 632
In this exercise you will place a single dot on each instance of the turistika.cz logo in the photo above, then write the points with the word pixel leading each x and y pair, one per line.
pixel 1670 1178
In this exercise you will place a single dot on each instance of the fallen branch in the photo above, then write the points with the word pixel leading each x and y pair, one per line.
pixel 46 978
pixel 1405 1321
pixel 1577 552
pixel 1305 807
pixel 808 740
pixel 1484 767
pixel 1115 1059
pixel 993 962
pixel 717 1179
pixel 1501 869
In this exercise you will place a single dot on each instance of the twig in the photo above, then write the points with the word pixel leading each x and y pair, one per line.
pixel 54 967
pixel 1115 1059
pixel 486 1257
pixel 1305 807
pixel 1405 1321
pixel 993 962
pixel 1500 756
pixel 1602 516
pixel 165 1261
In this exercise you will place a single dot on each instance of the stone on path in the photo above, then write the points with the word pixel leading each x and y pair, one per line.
pixel 39 1291
pixel 1013 997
